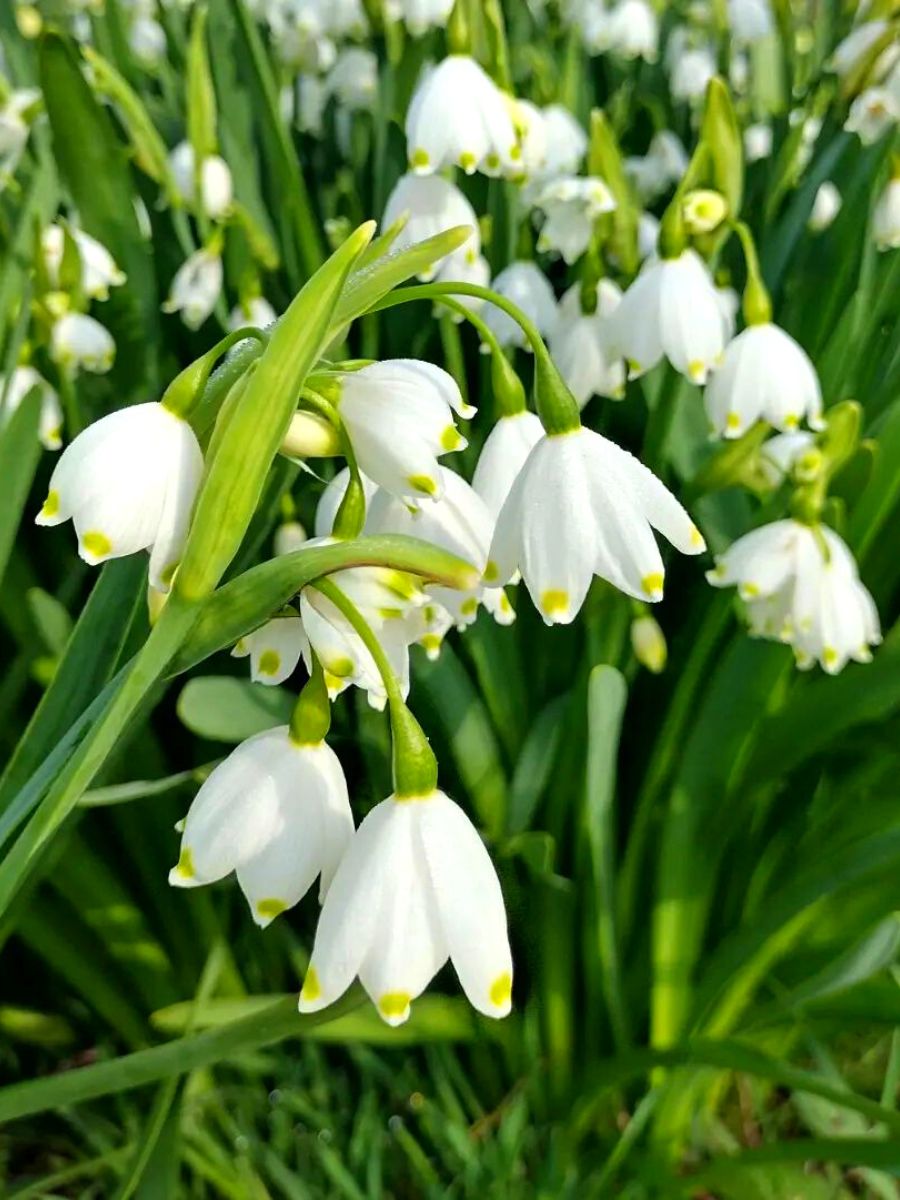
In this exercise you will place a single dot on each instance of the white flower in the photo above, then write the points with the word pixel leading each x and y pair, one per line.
pixel 664 164
pixel 647 235
pixel 289 537
pixel 147 40
pixel 532 131
pixel 691 73
pixel 729 302
pixel 460 522
pixel 398 415
pixel 215 180
pixel 14 391
pixel 528 287
pixel 566 142
pixel 353 79
pixel 128 483
pixel 579 348
pixel 464 268
pixel 648 643
pixel 750 20
pixel 312 97
pixel 14 128
pixel 503 456
pixel 419 15
pixel 855 47
pixel 276 813
pixel 633 30
pixel 196 288
pixel 415 887
pixel 593 21
pixel 98 267
pixel 431 205
pixel 670 310
pixel 826 207
pixel 256 311
pixel 801 586
pixel 886 217
pixel 343 18
pixel 274 650
pixel 757 142
pixel 765 376
pixel 779 454
pixel 872 114
pixel 78 342
pixel 459 117
pixel 580 507
pixel 330 500
pixel 570 207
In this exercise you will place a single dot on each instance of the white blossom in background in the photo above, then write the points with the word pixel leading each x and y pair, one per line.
pixel 750 20
pixel 570 207
pixel 691 73
pixel 729 302
pixel 196 288
pixel 128 483
pixel 854 49
pixel 886 217
pixel 826 206
pixel 647 235
pixel 459 117
pixel 343 18
pixel 431 205
pixel 398 415
pixel 765 375
pixel 415 887
pixel 757 142
pixel 289 536
pixel 662 166
pixel 256 311
pixel 276 812
pixel 312 97
pixel 458 521
pixel 215 180
pixel 801 586
pixel 671 310
pixel 567 142
pixel 79 343
pixel 739 71
pixel 147 40
pixel 353 80
pixel 503 455
pixel 779 455
pixel 579 345
pixel 419 15
pixel 872 114
pixel 14 129
pixel 464 268
pixel 525 284
pixel 632 30
pixel 531 130
pixel 274 649
pixel 98 267
pixel 14 390
pixel 580 507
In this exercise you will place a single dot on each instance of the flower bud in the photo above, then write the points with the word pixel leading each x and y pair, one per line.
pixel 704 210
pixel 649 643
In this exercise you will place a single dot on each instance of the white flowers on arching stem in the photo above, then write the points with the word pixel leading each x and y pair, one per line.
pixel 415 888
pixel 274 649
pixel 216 187
pixel 14 391
pixel 79 343
pixel 431 205
pixel 128 483
pixel 98 267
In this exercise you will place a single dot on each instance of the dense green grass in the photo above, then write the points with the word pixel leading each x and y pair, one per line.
pixel 702 868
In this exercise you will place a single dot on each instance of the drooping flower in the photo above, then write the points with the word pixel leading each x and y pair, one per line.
pixel 256 311
pixel 566 142
pixel 128 483
pixel 632 30
pixel 503 456
pixel 670 310
pixel 459 117
pixel 398 415
pixel 765 375
pixel 274 649
pixel 528 287
pixel 431 205
pixel 79 343
pixel 216 185
pixel 579 345
pixel 15 125
pixel 757 142
pixel 570 207
pixel 801 586
pixel 196 288
pixel 779 455
pixel 419 15
pixel 98 267
pixel 691 73
pixel 750 20
pixel 14 391
pixel 580 507
pixel 872 114
pixel 886 217
pixel 353 80
pixel 147 40
pixel 826 207
pixel 531 129
pixel 275 812
pixel 415 887
pixel 662 166
pixel 855 47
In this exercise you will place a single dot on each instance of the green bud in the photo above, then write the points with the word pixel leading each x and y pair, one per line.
pixel 720 133
pixel 186 389
pixel 509 391
pixel 556 405
pixel 704 210
pixel 311 718
pixel 351 514
pixel 605 160
pixel 649 643
pixel 310 435
pixel 414 766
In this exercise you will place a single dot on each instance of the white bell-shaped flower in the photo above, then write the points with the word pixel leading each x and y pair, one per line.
pixel 353 80
pixel 79 343
pixel 128 483
pixel 632 30
pixel 692 72
pixel 886 217
pixel 528 287
pixel 147 40
pixel 826 206
pixel 431 205
pixel 670 310
pixel 579 345
pixel 275 812
pixel 647 235
pixel 580 507
pixel 757 142
pixel 415 887
pixel 419 15
pixel 14 129
pixel 460 522
pixel 662 166
pixel 464 268
pixel 343 18
pixel 398 415
pixel 532 132
pixel 256 311
pixel 570 207
pixel 312 98
pixel 566 142
pixel 872 114
pixel 14 391
pixel 196 288
pixel 216 183
pixel 851 52
pixel 765 376
pixel 503 456
pixel 801 586
pixel 750 20
pixel 98 267
pixel 274 650
pixel 289 536
pixel 779 455
pixel 459 117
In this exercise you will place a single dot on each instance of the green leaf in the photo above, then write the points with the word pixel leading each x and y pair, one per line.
pixel 201 97
pixel 230 710
pixel 51 619
pixel 20 452
pixel 534 766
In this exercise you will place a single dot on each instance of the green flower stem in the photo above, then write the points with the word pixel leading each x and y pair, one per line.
pixel 556 405
pixel 414 765
pixel 757 305
pixel 184 393
pixel 311 718
pixel 507 386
